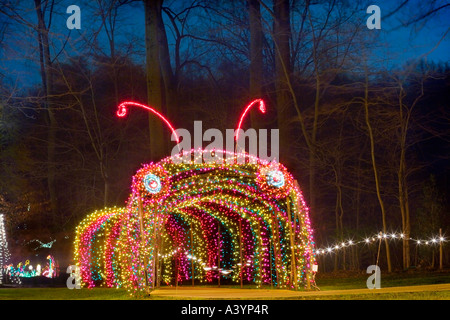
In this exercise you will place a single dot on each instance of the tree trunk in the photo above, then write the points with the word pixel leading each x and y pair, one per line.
pixel 313 141
pixel 154 76
pixel 283 72
pixel 47 82
pixel 374 166
pixel 403 203
pixel 168 78
pixel 256 58
pixel 106 185
pixel 402 177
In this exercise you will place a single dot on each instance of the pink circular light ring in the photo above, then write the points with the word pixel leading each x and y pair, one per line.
pixel 151 181
pixel 275 180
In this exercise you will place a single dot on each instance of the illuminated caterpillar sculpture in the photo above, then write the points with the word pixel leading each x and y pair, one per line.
pixel 188 217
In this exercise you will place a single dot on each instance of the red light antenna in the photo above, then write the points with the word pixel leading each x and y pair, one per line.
pixel 122 111
pixel 262 108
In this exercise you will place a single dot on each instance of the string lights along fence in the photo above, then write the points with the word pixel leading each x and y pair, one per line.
pixel 188 219
pixel 336 248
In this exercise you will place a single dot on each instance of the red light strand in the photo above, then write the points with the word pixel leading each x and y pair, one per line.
pixel 122 111
pixel 262 108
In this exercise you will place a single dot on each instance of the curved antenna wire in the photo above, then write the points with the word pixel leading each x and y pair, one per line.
pixel 122 111
pixel 262 108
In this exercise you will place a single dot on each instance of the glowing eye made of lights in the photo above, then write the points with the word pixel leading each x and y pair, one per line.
pixel 275 178
pixel 152 183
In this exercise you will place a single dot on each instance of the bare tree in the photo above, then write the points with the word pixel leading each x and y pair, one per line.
pixel 154 74
pixel 256 55
pixel 366 104
pixel 42 8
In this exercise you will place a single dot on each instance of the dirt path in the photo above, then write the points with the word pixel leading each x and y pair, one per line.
pixel 227 293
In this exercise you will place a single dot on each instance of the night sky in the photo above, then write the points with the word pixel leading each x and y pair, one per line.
pixel 393 44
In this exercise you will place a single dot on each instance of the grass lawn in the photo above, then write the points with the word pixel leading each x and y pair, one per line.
pixel 63 294
pixel 325 282
pixel 442 295
pixel 351 280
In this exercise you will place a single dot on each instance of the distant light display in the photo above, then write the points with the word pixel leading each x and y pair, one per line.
pixel 4 251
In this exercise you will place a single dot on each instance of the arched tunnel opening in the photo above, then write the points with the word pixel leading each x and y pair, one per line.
pixel 193 223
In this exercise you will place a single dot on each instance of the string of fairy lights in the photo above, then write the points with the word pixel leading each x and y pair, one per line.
pixel 338 247
pixel 202 263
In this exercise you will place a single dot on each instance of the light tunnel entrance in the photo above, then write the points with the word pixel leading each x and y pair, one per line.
pixel 231 221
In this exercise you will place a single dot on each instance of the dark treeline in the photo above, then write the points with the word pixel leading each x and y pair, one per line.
pixel 367 143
